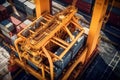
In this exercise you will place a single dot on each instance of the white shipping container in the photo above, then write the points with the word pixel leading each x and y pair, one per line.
pixel 30 5
pixel 3 62
pixel 13 38
pixel 6 4
pixel 27 22
pixel 6 33
pixel 4 28
pixel 7 25
pixel 8 7
pixel 7 77
pixel 4 57
pixel 10 26
pixel 4 70
pixel 4 53
pixel 30 8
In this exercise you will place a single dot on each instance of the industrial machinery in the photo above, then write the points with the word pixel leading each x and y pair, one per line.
pixel 48 48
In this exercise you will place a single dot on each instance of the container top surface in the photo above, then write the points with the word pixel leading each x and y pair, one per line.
pixel 2 8
pixel 14 20
pixel 6 4
pixel 30 5
pixel 22 25
pixel 27 22
pixel 5 22
pixel 88 1
pixel 21 0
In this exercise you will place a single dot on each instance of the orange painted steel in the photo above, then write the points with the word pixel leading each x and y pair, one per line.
pixel 37 43
pixel 34 43
pixel 96 24
pixel 42 6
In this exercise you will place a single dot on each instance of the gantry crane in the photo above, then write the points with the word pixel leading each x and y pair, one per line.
pixel 42 45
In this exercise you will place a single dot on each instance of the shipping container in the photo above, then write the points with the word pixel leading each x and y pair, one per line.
pixel 7 25
pixel 18 29
pixel 7 34
pixel 4 57
pixel 115 10
pixel 65 60
pixel 0 18
pixel 13 68
pixel 19 4
pixel 22 25
pixel 58 72
pixel 30 8
pixel 27 22
pixel 14 20
pixel 88 1
pixel 84 6
pixel 7 77
pixel 77 46
pixel 13 38
pixel 3 12
pixel 3 70
pixel 3 61
pixel 8 7
pixel 114 19
pixel 2 1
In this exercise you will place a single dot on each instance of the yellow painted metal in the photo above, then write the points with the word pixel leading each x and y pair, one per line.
pixel 96 24
pixel 42 6
pixel 93 36
pixel 16 46
pixel 30 70
pixel 36 44
pixel 81 58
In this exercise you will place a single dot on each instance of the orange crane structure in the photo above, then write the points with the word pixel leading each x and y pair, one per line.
pixel 45 43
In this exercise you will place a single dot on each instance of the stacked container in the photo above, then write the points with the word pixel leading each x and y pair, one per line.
pixel 30 8
pixel 85 5
pixel 4 57
pixel 2 1
pixel 23 25
pixel 0 17
pixel 114 18
pixel 8 7
pixel 61 64
pixel 3 12
pixel 7 27
pixel 82 5
pixel 27 22
pixel 14 20
pixel 19 4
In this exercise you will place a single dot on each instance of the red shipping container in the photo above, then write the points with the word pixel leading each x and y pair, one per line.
pixel 22 25
pixel 114 19
pixel 18 29
pixel 13 68
pixel 0 18
pixel 3 12
pixel 15 21
pixel 84 6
